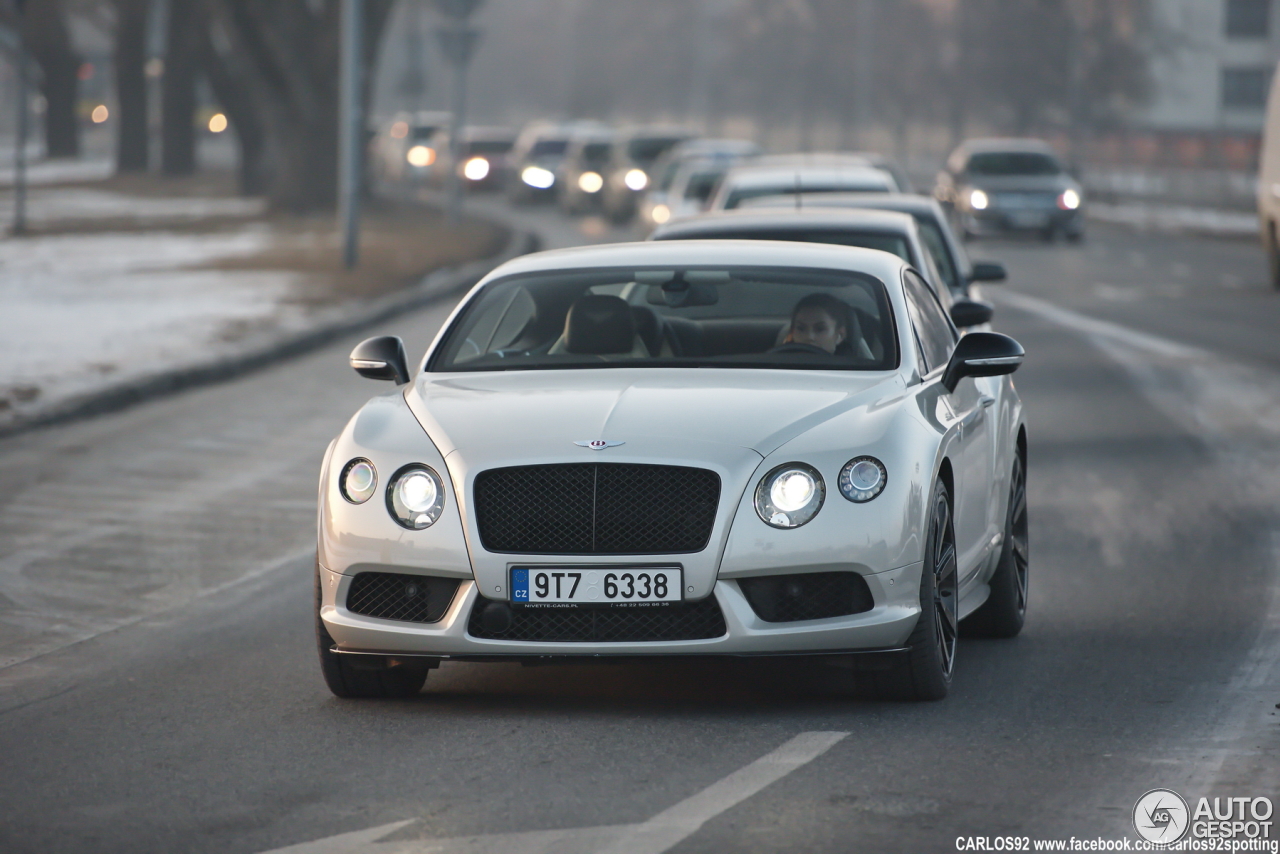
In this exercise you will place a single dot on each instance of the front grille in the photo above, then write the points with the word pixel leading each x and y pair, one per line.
pixel 674 622
pixel 807 596
pixel 596 508
pixel 410 598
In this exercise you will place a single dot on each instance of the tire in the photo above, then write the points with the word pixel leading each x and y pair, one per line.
pixel 925 671
pixel 1005 611
pixel 1075 237
pixel 349 683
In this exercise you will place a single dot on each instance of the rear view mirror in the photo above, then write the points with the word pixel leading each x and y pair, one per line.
pixel 381 358
pixel 982 354
pixel 988 271
pixel 971 312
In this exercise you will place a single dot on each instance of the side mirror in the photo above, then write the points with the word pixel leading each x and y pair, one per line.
pixel 988 271
pixel 381 358
pixel 982 354
pixel 971 312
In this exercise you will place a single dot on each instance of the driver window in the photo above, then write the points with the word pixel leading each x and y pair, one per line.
pixel 500 326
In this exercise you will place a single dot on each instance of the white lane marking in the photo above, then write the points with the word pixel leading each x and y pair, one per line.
pixel 1093 326
pixel 660 833
pixel 670 826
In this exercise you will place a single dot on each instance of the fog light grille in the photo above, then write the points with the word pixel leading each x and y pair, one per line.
pixel 677 621
pixel 807 596
pixel 409 598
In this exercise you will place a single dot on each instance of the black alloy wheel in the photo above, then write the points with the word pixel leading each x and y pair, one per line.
pixel 925 671
pixel 1005 611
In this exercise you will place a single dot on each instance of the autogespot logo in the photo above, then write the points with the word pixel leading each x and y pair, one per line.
pixel 1161 815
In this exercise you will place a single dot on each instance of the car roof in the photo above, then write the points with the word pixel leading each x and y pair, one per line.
pixel 736 253
pixel 763 174
pixel 911 203
pixel 1019 144
pixel 714 148
pixel 788 218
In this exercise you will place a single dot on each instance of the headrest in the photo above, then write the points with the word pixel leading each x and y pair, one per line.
pixel 599 324
pixel 648 327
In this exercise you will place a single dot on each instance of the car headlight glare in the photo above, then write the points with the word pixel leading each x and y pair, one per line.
pixel 661 213
pixel 358 481
pixel 420 156
pixel 978 200
pixel 538 178
pixel 790 495
pixel 415 497
pixel 636 179
pixel 476 169
pixel 1069 200
pixel 590 182
pixel 862 479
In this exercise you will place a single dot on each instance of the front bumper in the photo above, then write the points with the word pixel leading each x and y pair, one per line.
pixel 994 220
pixel 886 626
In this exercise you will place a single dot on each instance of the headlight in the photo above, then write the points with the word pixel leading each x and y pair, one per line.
pixel 1069 200
pixel 978 200
pixel 358 481
pixel 862 479
pixel 420 156
pixel 636 179
pixel 661 213
pixel 790 495
pixel 476 169
pixel 415 496
pixel 538 178
pixel 590 182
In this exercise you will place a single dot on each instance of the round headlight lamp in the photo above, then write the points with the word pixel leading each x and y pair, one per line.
pixel 415 497
pixel 358 481
pixel 978 200
pixel 790 495
pixel 862 479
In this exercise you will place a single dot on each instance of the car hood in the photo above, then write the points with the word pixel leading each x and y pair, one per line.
pixel 1022 183
pixel 534 415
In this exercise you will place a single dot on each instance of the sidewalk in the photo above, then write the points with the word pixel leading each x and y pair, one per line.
pixel 119 297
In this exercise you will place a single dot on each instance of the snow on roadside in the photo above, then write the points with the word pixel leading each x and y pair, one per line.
pixel 47 205
pixel 87 310
pixel 1172 218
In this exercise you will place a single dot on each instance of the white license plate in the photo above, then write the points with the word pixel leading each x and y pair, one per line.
pixel 534 585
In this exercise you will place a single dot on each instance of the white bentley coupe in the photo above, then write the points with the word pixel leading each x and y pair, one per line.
pixel 709 448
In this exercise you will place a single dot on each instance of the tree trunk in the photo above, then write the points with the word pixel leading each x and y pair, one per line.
pixel 291 47
pixel 183 58
pixel 45 32
pixel 132 148
pixel 234 93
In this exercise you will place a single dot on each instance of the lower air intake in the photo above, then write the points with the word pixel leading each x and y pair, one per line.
pixel 674 622
pixel 409 598
pixel 807 596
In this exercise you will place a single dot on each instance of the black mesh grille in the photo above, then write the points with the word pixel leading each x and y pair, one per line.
pixel 390 596
pixel 807 596
pixel 677 621
pixel 596 508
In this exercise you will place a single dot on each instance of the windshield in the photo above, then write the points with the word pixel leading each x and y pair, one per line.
pixel 596 153
pixel 702 184
pixel 741 194
pixel 650 148
pixel 1013 163
pixel 489 146
pixel 734 317
pixel 548 147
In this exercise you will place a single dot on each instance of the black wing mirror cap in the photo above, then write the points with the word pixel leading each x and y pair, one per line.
pixel 971 312
pixel 988 271
pixel 982 354
pixel 381 358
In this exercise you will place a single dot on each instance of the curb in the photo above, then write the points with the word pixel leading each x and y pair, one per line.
pixel 332 324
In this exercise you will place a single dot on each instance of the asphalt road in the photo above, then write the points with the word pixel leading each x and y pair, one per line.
pixel 159 689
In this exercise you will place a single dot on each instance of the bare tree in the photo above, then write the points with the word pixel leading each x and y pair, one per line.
pixel 44 31
pixel 133 138
pixel 186 38
pixel 291 56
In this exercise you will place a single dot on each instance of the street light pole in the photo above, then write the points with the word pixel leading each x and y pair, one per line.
pixel 350 130
pixel 458 43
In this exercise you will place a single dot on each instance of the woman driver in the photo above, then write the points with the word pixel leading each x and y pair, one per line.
pixel 819 320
